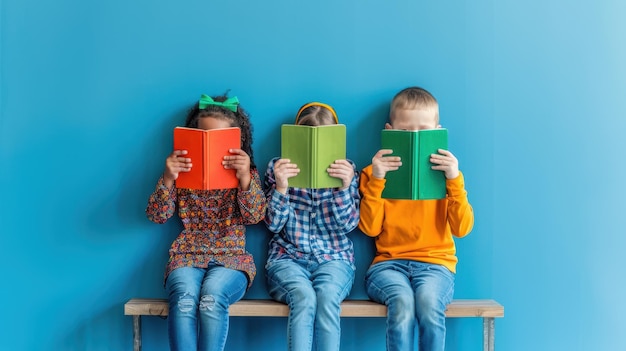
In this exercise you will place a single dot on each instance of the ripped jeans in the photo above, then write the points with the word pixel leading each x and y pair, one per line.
pixel 198 306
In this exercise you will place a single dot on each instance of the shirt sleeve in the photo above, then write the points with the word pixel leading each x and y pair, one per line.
pixel 252 202
pixel 460 212
pixel 372 204
pixel 162 203
pixel 278 209
pixel 345 207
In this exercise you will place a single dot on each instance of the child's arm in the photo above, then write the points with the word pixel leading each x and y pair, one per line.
pixel 162 203
pixel 371 187
pixel 278 208
pixel 252 204
pixel 460 212
pixel 344 209
pixel 372 205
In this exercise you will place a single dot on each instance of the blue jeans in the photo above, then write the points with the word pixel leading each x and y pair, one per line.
pixel 415 293
pixel 198 306
pixel 314 293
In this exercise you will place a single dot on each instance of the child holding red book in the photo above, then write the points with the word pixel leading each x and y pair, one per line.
pixel 209 267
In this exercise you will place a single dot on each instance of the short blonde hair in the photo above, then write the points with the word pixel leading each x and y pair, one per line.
pixel 414 98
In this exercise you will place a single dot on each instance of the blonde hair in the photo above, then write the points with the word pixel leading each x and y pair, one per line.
pixel 414 98
pixel 316 114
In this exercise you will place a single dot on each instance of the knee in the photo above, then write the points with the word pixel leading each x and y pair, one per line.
pixel 184 302
pixel 212 302
pixel 302 298
pixel 429 307
pixel 401 306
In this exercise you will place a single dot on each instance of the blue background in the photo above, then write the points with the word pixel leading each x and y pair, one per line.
pixel 532 93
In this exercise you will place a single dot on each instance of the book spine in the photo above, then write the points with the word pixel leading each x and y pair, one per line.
pixel 314 157
pixel 415 164
pixel 206 162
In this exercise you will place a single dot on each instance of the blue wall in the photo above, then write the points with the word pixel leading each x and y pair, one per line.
pixel 532 92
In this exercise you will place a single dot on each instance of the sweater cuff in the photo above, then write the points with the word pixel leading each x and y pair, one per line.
pixel 456 186
pixel 375 187
pixel 278 200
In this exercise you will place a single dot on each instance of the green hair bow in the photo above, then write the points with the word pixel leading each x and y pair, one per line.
pixel 230 103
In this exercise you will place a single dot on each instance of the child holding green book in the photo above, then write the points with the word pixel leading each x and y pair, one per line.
pixel 310 263
pixel 415 263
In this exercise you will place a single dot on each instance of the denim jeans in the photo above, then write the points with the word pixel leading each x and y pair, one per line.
pixel 198 306
pixel 415 293
pixel 314 293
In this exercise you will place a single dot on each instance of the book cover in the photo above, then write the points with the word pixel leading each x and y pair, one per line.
pixel 313 149
pixel 207 149
pixel 415 180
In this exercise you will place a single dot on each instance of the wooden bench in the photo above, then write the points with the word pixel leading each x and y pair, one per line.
pixel 485 309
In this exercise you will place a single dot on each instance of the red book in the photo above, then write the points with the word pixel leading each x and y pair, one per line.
pixel 206 149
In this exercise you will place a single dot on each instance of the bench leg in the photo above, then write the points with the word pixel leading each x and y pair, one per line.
pixel 489 329
pixel 137 333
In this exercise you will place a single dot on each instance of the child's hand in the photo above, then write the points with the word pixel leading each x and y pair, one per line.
pixel 240 162
pixel 174 164
pixel 382 164
pixel 343 170
pixel 283 170
pixel 446 162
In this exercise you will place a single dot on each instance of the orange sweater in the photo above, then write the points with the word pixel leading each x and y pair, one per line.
pixel 419 230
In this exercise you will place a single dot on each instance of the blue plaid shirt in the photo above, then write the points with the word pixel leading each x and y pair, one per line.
pixel 311 224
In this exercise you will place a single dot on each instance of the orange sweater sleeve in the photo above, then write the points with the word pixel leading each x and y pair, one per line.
pixel 419 230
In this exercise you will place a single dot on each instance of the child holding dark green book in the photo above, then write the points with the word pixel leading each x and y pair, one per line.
pixel 415 263
pixel 310 263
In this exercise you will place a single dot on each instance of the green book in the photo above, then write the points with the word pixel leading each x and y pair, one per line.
pixel 415 180
pixel 313 149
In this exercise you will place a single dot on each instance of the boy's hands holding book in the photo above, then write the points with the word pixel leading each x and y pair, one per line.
pixel 446 162
pixel 240 162
pixel 283 170
pixel 343 170
pixel 382 164
pixel 174 164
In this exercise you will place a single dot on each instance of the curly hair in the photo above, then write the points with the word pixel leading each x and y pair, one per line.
pixel 239 119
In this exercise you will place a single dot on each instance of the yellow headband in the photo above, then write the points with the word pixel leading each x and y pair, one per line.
pixel 332 110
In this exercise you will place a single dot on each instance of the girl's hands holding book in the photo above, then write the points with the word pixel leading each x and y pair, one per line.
pixel 174 164
pixel 283 170
pixel 240 162
pixel 343 170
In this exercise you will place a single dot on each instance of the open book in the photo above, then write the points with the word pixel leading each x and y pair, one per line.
pixel 313 150
pixel 207 149
pixel 415 180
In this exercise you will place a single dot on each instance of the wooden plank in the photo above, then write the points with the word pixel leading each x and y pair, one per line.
pixel 349 308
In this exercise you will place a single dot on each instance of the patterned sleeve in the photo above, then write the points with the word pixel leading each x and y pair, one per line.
pixel 252 203
pixel 345 208
pixel 162 203
pixel 278 208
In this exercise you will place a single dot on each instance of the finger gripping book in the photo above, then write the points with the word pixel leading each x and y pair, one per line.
pixel 206 149
pixel 415 180
pixel 313 150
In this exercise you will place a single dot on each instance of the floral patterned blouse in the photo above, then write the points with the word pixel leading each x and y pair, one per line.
pixel 214 224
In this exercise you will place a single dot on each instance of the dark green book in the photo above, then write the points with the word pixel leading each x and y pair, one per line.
pixel 313 149
pixel 415 180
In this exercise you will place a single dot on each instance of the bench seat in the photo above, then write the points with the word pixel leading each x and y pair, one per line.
pixel 486 309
